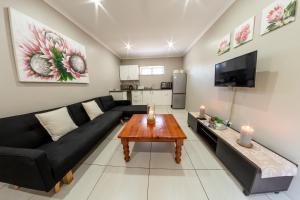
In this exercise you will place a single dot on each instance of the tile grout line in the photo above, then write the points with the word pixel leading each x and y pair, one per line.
pixel 197 175
pixel 93 189
pixel 268 197
pixel 149 172
pixel 157 168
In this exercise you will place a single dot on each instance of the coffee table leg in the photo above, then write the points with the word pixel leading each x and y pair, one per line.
pixel 179 144
pixel 125 149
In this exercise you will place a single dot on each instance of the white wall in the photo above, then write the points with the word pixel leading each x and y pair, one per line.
pixel 272 108
pixel 17 97
pixel 154 81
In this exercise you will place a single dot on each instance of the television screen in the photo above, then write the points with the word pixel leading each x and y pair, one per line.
pixel 237 72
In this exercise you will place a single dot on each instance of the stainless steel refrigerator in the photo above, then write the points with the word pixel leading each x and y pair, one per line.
pixel 179 90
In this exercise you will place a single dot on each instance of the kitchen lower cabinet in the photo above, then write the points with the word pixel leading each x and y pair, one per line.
pixel 156 97
pixel 162 97
pixel 137 97
pixel 119 95
pixel 147 97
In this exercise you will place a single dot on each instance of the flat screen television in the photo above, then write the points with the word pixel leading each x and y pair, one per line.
pixel 237 72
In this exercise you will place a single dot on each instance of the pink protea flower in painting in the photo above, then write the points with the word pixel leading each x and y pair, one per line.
pixel 74 62
pixel 243 34
pixel 276 14
pixel 48 56
pixel 223 44
pixel 34 61
pixel 38 56
pixel 47 40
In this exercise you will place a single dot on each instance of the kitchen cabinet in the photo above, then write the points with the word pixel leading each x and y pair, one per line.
pixel 137 97
pixel 119 95
pixel 156 97
pixel 162 97
pixel 147 97
pixel 129 72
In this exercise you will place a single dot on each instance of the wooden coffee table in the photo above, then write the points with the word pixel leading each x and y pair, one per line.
pixel 165 129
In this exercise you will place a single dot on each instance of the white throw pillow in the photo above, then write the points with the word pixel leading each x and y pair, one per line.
pixel 92 109
pixel 57 122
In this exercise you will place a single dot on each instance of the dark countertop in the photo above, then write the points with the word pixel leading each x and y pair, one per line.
pixel 137 90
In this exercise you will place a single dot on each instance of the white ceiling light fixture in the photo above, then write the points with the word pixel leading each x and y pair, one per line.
pixel 128 46
pixel 171 44
pixel 98 4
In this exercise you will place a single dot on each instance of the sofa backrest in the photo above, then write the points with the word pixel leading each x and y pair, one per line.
pixel 23 131
pixel 78 112
pixel 107 103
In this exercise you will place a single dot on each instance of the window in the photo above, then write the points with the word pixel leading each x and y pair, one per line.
pixel 152 70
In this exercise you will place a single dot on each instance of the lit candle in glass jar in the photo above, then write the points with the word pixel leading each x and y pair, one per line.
pixel 151 114
pixel 202 112
pixel 246 135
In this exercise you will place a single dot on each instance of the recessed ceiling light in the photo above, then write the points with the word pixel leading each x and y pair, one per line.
pixel 171 44
pixel 98 2
pixel 128 46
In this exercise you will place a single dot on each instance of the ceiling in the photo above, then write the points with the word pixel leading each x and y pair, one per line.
pixel 147 25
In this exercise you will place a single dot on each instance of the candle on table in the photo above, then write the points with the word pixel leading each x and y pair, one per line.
pixel 246 135
pixel 151 114
pixel 202 112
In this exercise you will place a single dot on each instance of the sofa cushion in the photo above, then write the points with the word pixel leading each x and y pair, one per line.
pixel 128 111
pixel 65 153
pixel 92 109
pixel 107 103
pixel 23 131
pixel 57 122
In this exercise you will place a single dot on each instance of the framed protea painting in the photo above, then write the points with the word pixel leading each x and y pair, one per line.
pixel 43 55
pixel 278 14
pixel 244 32
pixel 224 45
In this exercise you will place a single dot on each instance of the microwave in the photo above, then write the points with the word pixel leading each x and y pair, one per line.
pixel 165 85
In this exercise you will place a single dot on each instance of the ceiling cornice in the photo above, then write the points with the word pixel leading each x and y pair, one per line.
pixel 218 15
pixel 63 12
pixel 149 57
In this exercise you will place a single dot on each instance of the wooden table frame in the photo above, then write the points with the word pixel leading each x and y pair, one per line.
pixel 166 129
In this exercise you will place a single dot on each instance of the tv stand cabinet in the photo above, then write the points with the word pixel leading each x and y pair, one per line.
pixel 245 164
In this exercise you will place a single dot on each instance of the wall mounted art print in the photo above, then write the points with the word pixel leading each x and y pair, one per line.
pixel 44 55
pixel 278 14
pixel 244 32
pixel 224 45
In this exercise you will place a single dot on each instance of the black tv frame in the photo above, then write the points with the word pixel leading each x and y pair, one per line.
pixel 256 52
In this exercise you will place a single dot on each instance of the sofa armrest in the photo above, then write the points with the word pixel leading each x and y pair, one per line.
pixel 123 102
pixel 28 168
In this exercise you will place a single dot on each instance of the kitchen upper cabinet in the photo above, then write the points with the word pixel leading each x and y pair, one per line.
pixel 129 72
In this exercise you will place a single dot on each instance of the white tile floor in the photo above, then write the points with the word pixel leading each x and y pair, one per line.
pixel 151 174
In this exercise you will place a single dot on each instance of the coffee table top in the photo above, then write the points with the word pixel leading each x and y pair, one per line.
pixel 165 127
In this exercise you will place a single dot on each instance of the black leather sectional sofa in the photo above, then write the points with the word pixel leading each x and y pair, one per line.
pixel 30 159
